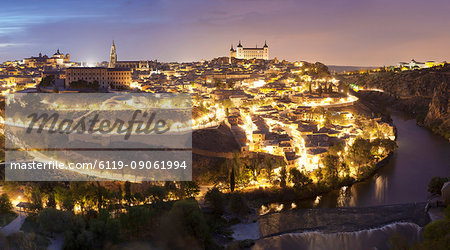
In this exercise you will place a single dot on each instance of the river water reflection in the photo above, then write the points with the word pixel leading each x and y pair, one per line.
pixel 404 179
pixel 420 156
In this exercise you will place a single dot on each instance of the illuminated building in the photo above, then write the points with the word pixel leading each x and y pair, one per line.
pixel 250 53
pixel 112 56
pixel 115 78
pixel 134 65
pixel 413 64
pixel 57 60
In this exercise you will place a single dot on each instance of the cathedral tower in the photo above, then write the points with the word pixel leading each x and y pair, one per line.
pixel 113 56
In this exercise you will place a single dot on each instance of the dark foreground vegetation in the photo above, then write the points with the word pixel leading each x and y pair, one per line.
pixel 93 215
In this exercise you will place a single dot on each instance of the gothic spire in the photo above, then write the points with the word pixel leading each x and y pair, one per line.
pixel 112 56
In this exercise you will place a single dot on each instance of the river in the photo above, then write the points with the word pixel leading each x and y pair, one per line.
pixel 420 156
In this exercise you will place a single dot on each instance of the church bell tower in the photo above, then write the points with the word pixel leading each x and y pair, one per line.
pixel 113 56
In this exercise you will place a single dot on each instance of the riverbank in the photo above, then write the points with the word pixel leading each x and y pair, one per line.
pixel 274 199
pixel 404 178
pixel 420 156
pixel 421 93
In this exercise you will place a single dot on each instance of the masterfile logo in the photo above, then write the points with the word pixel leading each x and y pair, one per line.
pixel 125 136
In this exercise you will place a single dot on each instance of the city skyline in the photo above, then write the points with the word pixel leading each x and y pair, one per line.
pixel 353 33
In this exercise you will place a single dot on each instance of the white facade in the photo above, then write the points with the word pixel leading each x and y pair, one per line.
pixel 250 53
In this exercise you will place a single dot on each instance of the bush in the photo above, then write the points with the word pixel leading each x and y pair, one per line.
pixel 47 81
pixel 185 226
pixel 436 184
pixel 29 241
pixel 6 218
pixel 238 204
pixel 112 230
pixel 105 231
pixel 191 189
pixel 30 225
pixel 76 241
pixel 137 221
pixel 5 204
pixel 299 179
pixel 55 221
pixel 215 200
pixel 436 230
pixel 436 234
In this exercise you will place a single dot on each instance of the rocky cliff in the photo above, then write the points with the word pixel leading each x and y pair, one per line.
pixel 438 116
pixel 423 93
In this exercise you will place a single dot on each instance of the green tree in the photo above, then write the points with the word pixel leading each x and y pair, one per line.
pixel 319 174
pixel 105 230
pixel 47 81
pixel 191 189
pixel 5 204
pixel 156 193
pixel 64 197
pixel 336 148
pixel 35 195
pixel 331 169
pixel 53 220
pixel 76 240
pixel 81 194
pixel 98 194
pixel 51 201
pixel 215 200
pixel 345 169
pixel 245 176
pixel 232 180
pixel 128 196
pixel 21 240
pixel 360 153
pixel 436 234
pixel 299 179
pixel 283 177
pixel 185 225
pixel 269 168
pixel 238 204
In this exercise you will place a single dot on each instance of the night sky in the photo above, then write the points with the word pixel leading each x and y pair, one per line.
pixel 338 32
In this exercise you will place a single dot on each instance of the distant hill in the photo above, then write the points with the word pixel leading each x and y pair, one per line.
pixel 339 69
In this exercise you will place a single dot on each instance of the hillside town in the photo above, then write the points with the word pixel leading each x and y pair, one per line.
pixel 224 125
pixel 293 110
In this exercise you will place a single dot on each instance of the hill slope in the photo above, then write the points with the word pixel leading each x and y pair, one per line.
pixel 423 93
